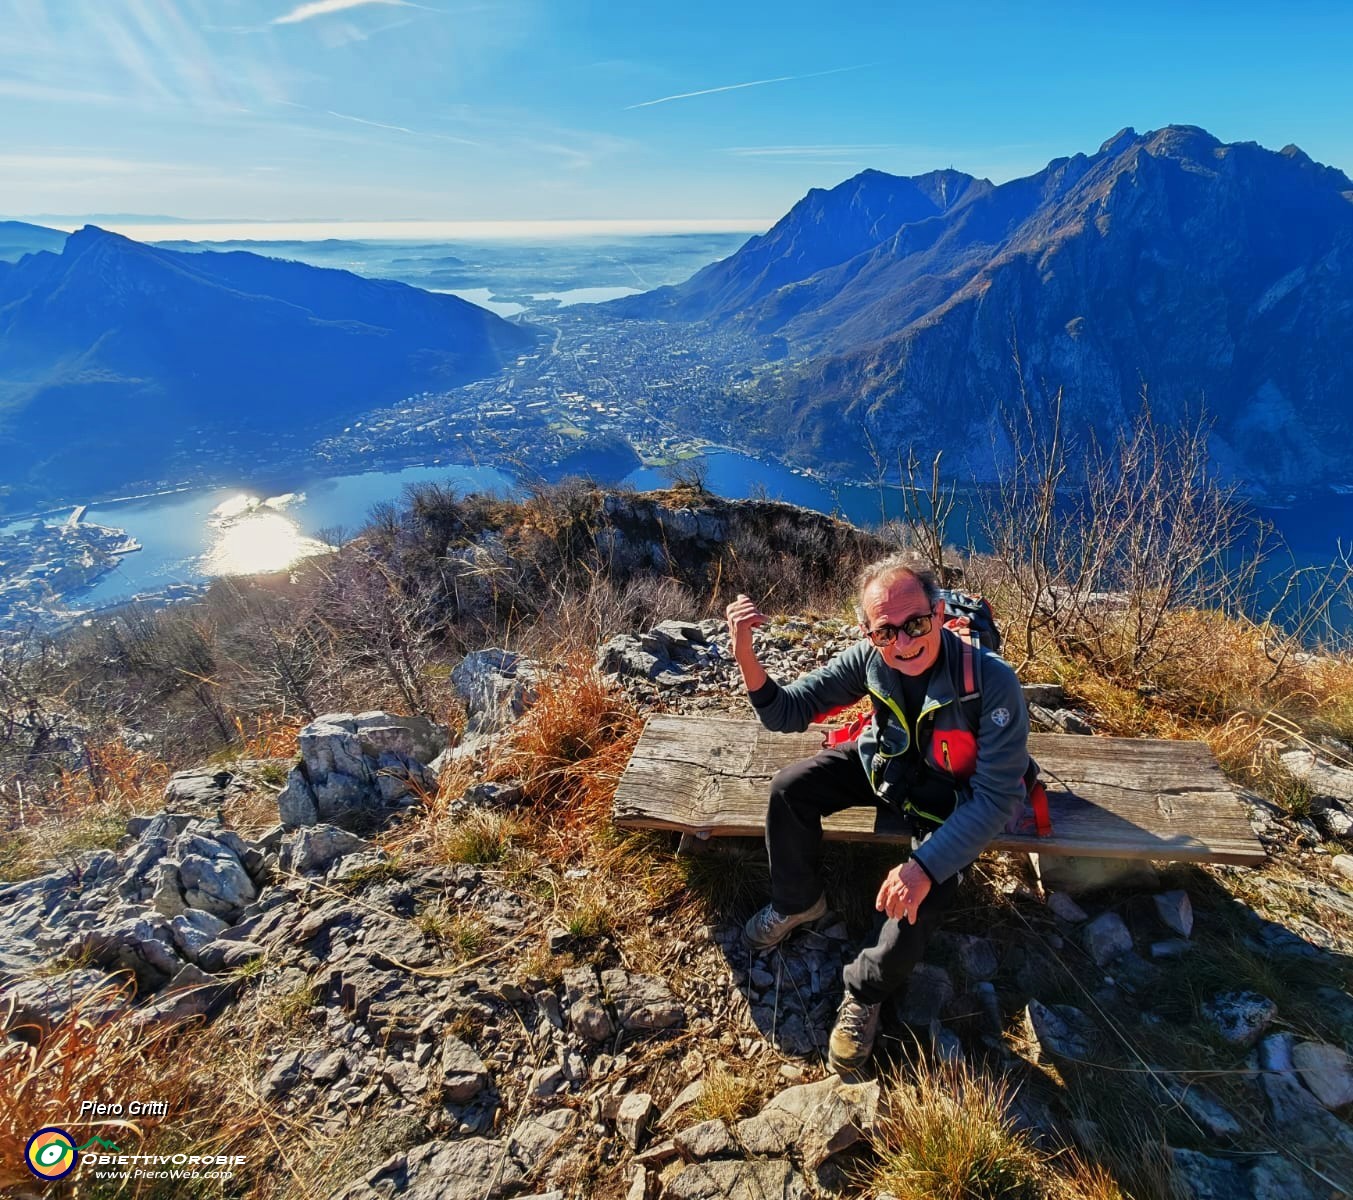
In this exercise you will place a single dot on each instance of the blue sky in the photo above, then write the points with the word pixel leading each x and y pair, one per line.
pixel 538 109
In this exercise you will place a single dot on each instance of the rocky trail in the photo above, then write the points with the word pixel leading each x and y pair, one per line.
pixel 450 1032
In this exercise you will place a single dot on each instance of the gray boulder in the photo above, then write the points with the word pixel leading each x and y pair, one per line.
pixel 353 766
pixel 497 686
pixel 1240 1017
pixel 642 655
pixel 193 929
pixel 584 1007
pixel 643 1003
pixel 733 1179
pixel 212 876
pixel 1106 937
pixel 1328 783
pixel 1326 1070
pixel 317 847
pixel 38 1004
pixel 296 803
pixel 143 945
pixel 1063 1033
pixel 464 1075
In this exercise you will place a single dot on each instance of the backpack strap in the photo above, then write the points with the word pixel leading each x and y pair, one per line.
pixel 971 702
pixel 971 697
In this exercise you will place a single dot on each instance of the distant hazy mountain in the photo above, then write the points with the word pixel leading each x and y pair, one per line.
pixel 18 239
pixel 1208 272
pixel 112 352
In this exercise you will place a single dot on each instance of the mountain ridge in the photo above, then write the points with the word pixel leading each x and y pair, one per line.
pixel 1208 271
pixel 114 345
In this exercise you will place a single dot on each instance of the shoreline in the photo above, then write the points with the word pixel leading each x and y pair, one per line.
pixel 316 471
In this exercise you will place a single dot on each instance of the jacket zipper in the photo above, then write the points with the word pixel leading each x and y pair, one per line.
pixel 907 805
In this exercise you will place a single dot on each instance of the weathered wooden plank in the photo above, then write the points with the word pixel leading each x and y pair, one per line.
pixel 1109 797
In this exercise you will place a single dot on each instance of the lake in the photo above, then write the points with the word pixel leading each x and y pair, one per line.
pixel 192 536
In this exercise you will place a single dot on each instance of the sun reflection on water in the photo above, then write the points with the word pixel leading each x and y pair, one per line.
pixel 252 536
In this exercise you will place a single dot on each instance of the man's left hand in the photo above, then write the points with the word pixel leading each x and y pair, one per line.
pixel 904 889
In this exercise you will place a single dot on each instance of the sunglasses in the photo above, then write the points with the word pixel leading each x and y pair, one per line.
pixel 913 627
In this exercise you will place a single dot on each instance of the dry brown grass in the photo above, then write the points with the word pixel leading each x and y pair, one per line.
pixel 725 1095
pixel 571 747
pixel 206 1077
pixel 950 1134
pixel 86 809
pixel 269 735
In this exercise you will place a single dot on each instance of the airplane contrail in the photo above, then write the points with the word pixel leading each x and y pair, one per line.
pixel 733 87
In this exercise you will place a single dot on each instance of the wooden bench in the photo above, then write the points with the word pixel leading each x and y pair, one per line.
pixel 1109 797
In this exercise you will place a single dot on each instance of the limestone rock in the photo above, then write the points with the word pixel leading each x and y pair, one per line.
pixel 1175 911
pixel 1207 1178
pixel 473 1168
pixel 213 877
pixel 708 1139
pixel 1106 937
pixel 192 929
pixel 1327 783
pixel 643 1003
pixel 357 765
pixel 587 1015
pixel 415 738
pixel 39 1003
pixel 1200 1104
pixel 1240 1017
pixel 464 1075
pixel 167 897
pixel 642 655
pixel 1066 909
pixel 534 1139
pixel 832 1115
pixel 142 945
pixel 497 686
pixel 296 805
pixel 1277 1178
pixel 315 848
pixel 771 1131
pixel 1063 1033
pixel 227 954
pixel 632 1120
pixel 1326 1070
pixel 1335 821
pixel 771 1179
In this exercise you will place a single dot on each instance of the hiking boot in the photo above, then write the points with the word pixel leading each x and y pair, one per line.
pixel 770 927
pixel 852 1040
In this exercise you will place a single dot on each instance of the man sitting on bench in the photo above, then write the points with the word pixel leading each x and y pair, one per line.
pixel 954 770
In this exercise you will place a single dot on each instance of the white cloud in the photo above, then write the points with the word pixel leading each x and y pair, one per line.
pixel 322 8
pixel 733 87
pixel 89 164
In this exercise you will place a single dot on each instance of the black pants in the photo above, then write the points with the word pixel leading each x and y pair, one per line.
pixel 800 796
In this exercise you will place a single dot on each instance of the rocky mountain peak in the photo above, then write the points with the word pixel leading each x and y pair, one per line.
pixel 1119 142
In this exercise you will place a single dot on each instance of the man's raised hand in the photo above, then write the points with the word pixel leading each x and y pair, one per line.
pixel 743 616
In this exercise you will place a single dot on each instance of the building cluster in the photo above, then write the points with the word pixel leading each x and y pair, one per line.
pixel 656 385
pixel 44 564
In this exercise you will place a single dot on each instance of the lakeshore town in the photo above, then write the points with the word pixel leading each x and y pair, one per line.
pixel 596 390
pixel 43 564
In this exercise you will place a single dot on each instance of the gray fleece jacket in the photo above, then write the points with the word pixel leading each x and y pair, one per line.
pixel 987 777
